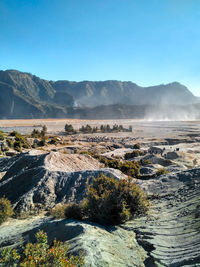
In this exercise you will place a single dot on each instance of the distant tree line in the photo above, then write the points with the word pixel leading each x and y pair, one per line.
pixel 102 129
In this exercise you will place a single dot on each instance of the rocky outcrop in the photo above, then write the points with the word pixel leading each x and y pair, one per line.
pixel 44 180
pixel 100 246
pixel 171 232
pixel 168 236
pixel 158 160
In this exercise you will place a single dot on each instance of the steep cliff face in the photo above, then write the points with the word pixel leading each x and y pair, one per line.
pixel 6 99
pixel 14 105
pixel 28 85
pixel 23 95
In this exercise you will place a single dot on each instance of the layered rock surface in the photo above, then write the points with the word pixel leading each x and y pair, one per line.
pixel 168 236
pixel 100 246
pixel 171 232
pixel 47 179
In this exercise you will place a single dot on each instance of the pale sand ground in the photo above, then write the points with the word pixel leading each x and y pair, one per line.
pixel 142 129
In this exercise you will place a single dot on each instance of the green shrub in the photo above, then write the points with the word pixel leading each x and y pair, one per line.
pixel 40 254
pixel 25 145
pixel 6 209
pixel 102 159
pixel 44 130
pixel 134 154
pixel 9 257
pixel 36 133
pixel 20 141
pixel 69 211
pixel 18 146
pixel 16 135
pixel 110 201
pixel 74 211
pixel 2 136
pixel 161 171
pixel 137 146
pixel 10 142
pixel 59 211
pixel 6 148
pixel 39 134
pixel 86 153
pixel 145 162
pixel 115 164
pixel 131 168
pixel 69 129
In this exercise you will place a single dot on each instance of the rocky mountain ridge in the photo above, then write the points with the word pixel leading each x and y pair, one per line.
pixel 88 93
pixel 23 95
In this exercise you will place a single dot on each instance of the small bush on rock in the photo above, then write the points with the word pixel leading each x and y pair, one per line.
pixel 69 211
pixel 10 142
pixel 18 146
pixel 108 201
pixel 134 154
pixel 40 254
pixel 161 171
pixel 58 211
pixel 111 202
pixel 145 162
pixel 86 153
pixel 130 168
pixel 6 209
pixel 20 141
pixel 137 146
pixel 2 136
pixel 74 211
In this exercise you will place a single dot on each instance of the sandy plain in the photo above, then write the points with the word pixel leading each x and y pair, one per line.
pixel 141 129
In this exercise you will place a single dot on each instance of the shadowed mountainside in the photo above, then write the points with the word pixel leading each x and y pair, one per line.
pixel 23 95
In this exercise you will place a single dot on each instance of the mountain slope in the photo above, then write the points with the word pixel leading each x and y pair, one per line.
pixel 23 95
pixel 88 93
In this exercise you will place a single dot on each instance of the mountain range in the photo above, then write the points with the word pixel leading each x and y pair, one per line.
pixel 23 95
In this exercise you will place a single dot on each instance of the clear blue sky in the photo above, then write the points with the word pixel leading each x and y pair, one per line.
pixel 145 41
